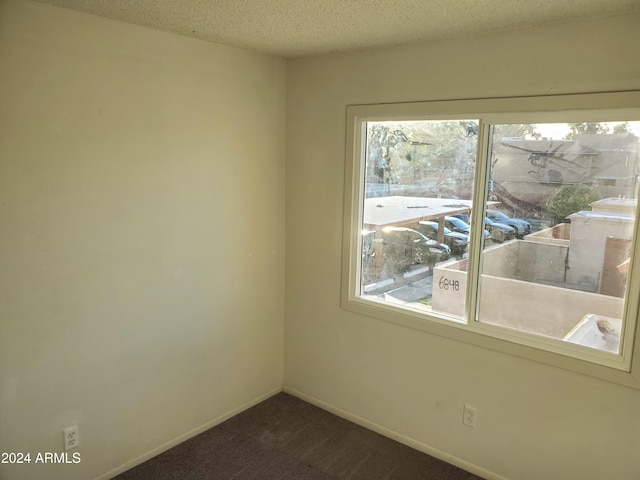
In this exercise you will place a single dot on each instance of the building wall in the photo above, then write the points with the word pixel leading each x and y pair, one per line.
pixel 559 234
pixel 539 262
pixel 142 236
pixel 501 260
pixel 523 290
pixel 534 421
pixel 540 309
pixel 589 234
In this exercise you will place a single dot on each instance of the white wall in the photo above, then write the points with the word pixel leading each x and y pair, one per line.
pixel 141 236
pixel 533 421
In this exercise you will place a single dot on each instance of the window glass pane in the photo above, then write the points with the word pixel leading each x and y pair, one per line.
pixel 418 187
pixel 561 209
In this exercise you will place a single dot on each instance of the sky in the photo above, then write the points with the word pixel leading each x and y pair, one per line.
pixel 558 131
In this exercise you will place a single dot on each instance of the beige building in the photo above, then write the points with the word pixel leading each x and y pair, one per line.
pixel 527 173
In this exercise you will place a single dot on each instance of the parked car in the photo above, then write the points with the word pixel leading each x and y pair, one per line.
pixel 402 247
pixel 465 217
pixel 499 231
pixel 456 241
pixel 458 225
pixel 521 227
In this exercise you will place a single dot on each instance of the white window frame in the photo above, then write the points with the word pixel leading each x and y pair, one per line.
pixel 623 368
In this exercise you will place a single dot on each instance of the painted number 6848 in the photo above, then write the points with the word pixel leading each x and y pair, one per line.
pixel 446 284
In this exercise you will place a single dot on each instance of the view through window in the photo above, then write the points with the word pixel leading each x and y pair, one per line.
pixel 553 230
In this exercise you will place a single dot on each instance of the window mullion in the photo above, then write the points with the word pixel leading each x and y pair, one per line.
pixel 477 219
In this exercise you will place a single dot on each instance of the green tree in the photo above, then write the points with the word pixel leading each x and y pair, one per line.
pixel 623 129
pixel 383 139
pixel 449 160
pixel 570 199
pixel 439 153
pixel 588 128
pixel 433 150
pixel 513 130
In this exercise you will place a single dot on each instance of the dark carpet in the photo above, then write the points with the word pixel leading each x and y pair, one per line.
pixel 286 438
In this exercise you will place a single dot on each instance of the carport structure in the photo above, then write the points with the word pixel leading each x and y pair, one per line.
pixel 380 212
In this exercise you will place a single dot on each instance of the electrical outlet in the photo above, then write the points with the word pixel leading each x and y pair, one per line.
pixel 71 437
pixel 469 416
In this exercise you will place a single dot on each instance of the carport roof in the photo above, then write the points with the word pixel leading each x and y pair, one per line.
pixel 383 211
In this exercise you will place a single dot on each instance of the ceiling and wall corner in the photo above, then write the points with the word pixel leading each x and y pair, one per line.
pixel 297 28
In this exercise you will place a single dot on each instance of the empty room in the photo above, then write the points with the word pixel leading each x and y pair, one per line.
pixel 196 206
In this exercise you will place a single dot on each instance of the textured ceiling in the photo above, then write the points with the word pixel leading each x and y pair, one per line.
pixel 294 28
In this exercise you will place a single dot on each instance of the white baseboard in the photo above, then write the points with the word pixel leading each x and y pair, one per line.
pixel 176 441
pixel 363 422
